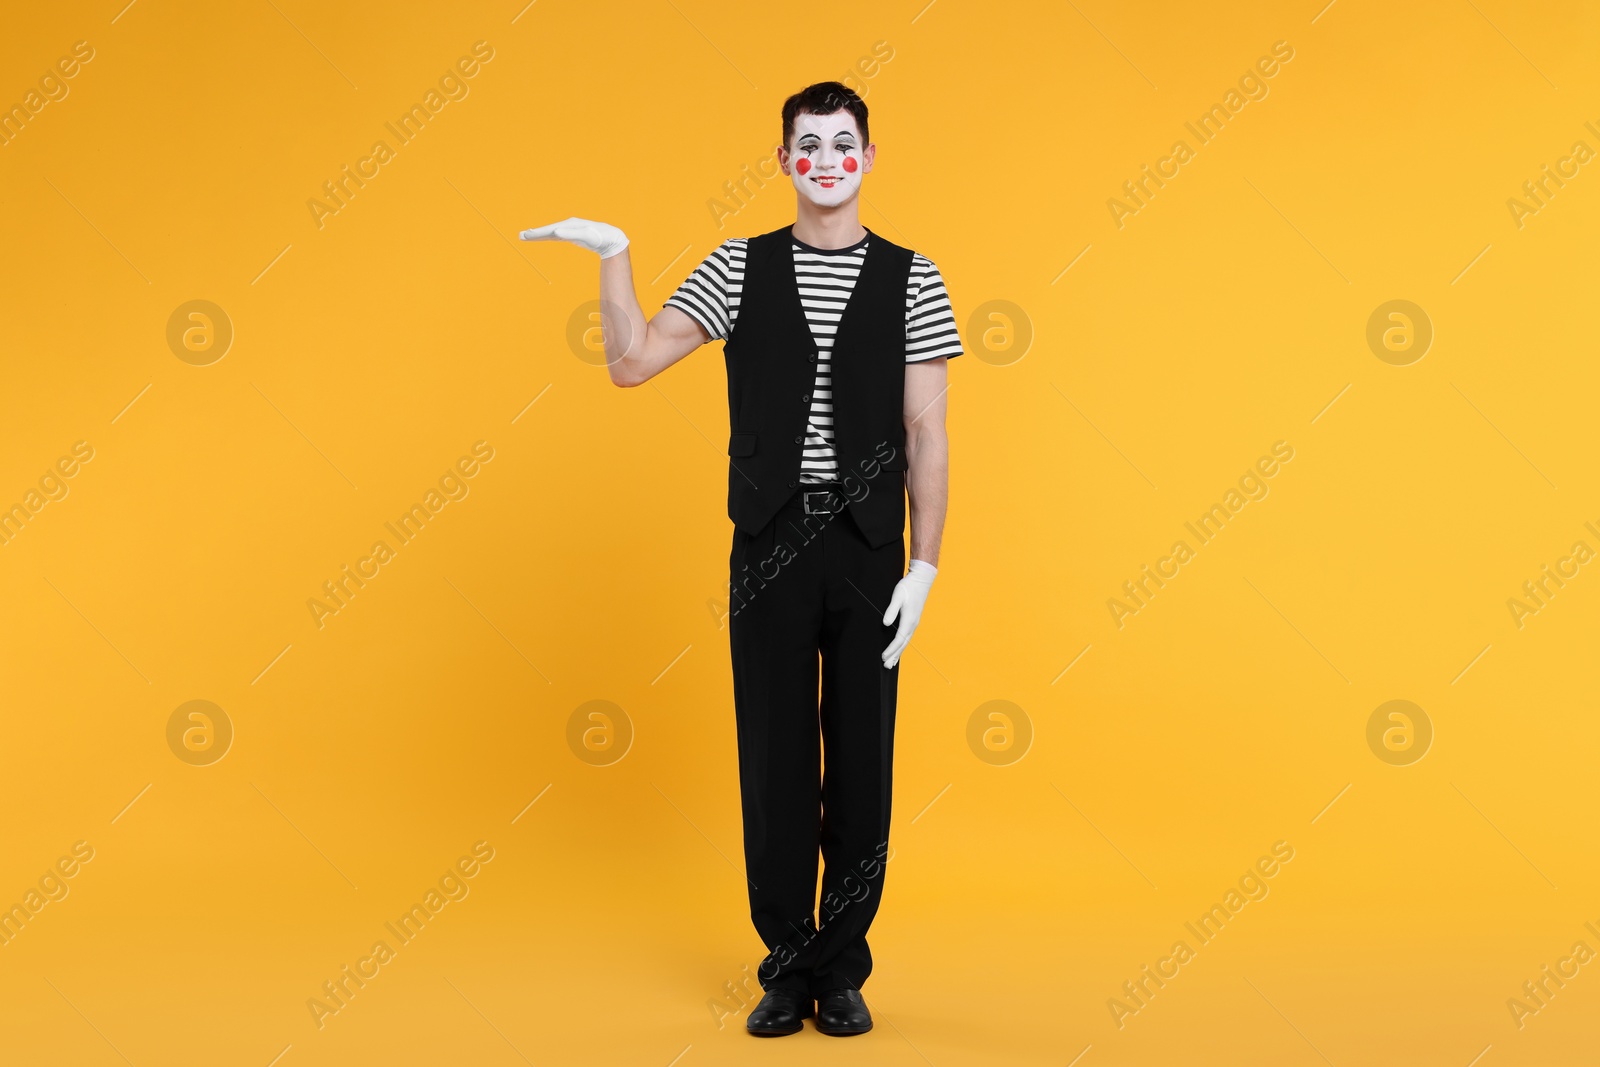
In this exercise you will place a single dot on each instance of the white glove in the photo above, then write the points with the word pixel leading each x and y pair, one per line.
pixel 910 593
pixel 598 237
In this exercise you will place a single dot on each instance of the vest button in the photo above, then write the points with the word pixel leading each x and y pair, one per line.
pixel 791 485
pixel 799 439
pixel 811 359
pixel 806 398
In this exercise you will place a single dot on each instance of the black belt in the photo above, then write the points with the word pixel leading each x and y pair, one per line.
pixel 820 498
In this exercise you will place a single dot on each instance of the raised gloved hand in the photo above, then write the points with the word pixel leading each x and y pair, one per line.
pixel 910 593
pixel 598 237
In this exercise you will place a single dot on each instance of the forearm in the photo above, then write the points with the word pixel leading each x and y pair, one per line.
pixel 928 488
pixel 622 320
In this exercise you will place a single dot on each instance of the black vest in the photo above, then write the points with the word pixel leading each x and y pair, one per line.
pixel 772 367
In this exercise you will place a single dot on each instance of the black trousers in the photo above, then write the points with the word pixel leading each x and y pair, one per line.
pixel 807 591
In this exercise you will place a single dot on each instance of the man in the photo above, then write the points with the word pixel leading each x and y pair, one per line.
pixel 836 348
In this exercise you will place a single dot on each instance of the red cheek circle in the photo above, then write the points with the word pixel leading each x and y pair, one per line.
pixel 850 164
pixel 801 166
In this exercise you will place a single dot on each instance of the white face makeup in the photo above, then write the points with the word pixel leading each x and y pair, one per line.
pixel 828 160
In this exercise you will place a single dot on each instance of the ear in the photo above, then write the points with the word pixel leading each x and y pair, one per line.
pixel 783 159
pixel 867 156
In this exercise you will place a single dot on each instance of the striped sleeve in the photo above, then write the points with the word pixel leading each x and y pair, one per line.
pixel 930 322
pixel 710 295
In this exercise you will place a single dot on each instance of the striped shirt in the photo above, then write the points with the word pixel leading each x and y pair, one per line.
pixel 826 277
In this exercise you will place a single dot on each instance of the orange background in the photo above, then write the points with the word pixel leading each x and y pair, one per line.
pixel 1034 873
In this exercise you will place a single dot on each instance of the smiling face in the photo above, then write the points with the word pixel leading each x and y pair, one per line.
pixel 826 159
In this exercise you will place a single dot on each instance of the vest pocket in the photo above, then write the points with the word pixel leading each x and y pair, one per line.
pixel 897 462
pixel 742 444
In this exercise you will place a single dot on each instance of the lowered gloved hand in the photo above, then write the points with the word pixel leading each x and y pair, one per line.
pixel 598 237
pixel 910 593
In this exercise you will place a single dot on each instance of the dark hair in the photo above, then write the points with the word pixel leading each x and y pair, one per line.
pixel 824 98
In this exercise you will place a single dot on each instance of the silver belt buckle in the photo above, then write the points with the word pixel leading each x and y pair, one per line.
pixel 821 496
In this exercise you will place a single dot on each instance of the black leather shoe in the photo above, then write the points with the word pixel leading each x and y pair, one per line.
pixel 779 1013
pixel 842 1013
